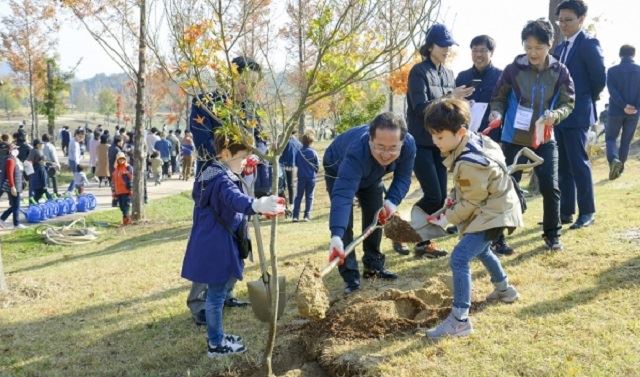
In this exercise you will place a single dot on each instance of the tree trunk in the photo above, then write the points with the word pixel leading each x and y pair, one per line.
pixel 275 287
pixel 557 35
pixel 51 113
pixel 3 282
pixel 139 156
pixel 300 64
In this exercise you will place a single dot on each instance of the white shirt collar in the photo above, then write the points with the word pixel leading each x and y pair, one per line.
pixel 573 37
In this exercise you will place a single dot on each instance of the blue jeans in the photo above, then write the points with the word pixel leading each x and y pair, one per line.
pixel 216 294
pixel 625 123
pixel 306 186
pixel 472 245
pixel 124 202
pixel 549 184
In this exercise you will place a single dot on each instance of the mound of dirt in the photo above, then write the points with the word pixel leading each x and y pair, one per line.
pixel 400 230
pixel 393 311
pixel 312 297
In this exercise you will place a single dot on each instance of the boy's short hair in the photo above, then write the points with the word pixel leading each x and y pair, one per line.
pixel 45 138
pixel 540 29
pixel 5 138
pixel 221 142
pixel 308 138
pixel 154 154
pixel 447 114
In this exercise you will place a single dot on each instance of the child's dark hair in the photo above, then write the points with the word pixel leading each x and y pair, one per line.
pixel 221 142
pixel 578 7
pixel 308 138
pixel 540 29
pixel 5 138
pixel 79 168
pixel 154 154
pixel 447 114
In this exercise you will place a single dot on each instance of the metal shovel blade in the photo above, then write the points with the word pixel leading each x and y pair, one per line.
pixel 260 297
pixel 425 229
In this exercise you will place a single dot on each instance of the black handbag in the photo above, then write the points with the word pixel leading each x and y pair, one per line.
pixel 240 236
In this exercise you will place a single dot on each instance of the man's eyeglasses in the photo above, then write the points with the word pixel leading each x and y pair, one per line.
pixel 383 149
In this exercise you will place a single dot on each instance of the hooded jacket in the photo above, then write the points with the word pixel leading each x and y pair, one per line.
pixel 521 84
pixel 483 190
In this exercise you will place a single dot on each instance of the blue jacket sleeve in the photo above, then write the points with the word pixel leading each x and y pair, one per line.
pixel 226 193
pixel 596 70
pixel 615 97
pixel 402 175
pixel 344 190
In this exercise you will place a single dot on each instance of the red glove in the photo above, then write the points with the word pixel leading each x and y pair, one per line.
pixel 496 123
pixel 449 203
pixel 250 164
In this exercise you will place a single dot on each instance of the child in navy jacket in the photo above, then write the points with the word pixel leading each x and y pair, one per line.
pixel 307 162
pixel 212 256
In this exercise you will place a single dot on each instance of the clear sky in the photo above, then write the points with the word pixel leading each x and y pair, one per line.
pixel 502 19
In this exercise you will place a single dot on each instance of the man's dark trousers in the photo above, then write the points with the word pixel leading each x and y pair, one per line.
pixel 432 176
pixel 625 123
pixel 574 172
pixel 547 177
pixel 370 199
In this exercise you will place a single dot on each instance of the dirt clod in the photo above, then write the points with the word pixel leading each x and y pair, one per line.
pixel 312 297
pixel 400 230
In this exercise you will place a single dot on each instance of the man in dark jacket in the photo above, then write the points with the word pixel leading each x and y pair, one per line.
pixel 582 55
pixel 288 161
pixel 354 164
pixel 483 76
pixel 623 82
pixel 114 149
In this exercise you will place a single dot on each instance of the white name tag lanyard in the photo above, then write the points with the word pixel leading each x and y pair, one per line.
pixel 524 114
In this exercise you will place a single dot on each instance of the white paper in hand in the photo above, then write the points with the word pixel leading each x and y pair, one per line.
pixel 478 110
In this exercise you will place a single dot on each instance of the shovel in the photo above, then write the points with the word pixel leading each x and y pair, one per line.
pixel 312 297
pixel 260 290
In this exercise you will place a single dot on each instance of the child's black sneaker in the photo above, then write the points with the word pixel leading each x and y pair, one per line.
pixel 224 349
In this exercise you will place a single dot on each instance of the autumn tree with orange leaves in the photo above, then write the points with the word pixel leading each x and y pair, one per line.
pixel 27 36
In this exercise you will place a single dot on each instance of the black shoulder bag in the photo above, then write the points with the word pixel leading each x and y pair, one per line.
pixel 242 240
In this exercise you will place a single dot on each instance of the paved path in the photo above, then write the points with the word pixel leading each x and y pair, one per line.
pixel 103 196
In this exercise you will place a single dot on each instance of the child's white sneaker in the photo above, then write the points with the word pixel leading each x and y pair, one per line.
pixel 19 226
pixel 508 295
pixel 450 327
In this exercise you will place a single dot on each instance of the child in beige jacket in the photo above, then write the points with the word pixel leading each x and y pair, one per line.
pixel 482 204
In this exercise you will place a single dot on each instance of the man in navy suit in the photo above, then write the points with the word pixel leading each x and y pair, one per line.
pixel 582 55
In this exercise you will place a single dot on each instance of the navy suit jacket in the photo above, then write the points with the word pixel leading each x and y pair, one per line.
pixel 586 66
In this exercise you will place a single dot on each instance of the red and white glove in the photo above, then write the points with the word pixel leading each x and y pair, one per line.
pixel 496 123
pixel 440 220
pixel 250 164
pixel 389 209
pixel 269 205
pixel 336 250
pixel 448 203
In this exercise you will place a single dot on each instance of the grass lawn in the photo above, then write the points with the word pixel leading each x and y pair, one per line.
pixel 117 307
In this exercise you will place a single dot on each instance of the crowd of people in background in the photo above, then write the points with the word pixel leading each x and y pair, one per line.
pixel 33 167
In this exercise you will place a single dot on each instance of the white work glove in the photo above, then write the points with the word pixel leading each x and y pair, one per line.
pixel 549 118
pixel 440 220
pixel 14 191
pixel 268 205
pixel 336 249
pixel 494 115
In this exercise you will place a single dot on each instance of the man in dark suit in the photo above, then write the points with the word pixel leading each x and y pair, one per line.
pixel 582 55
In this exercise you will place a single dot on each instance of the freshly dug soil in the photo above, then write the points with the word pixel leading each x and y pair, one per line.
pixel 399 230
pixel 391 312
pixel 312 297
